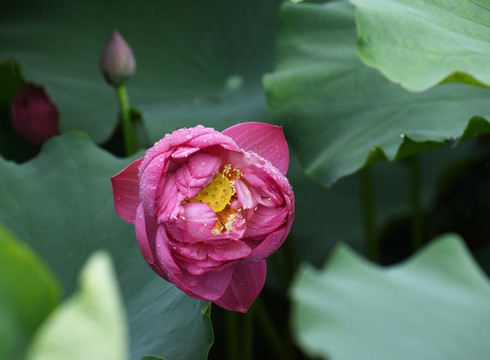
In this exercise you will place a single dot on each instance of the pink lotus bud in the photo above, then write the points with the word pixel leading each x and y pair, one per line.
pixel 33 116
pixel 209 207
pixel 117 60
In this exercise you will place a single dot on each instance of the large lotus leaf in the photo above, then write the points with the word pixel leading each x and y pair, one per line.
pixel 91 324
pixel 28 293
pixel 197 62
pixel 420 43
pixel 61 204
pixel 435 306
pixel 340 115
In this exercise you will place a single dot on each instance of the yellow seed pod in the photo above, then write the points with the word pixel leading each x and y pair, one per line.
pixel 217 194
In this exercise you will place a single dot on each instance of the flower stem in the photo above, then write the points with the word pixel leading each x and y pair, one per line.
pixel 248 321
pixel 232 332
pixel 270 331
pixel 417 233
pixel 368 214
pixel 130 141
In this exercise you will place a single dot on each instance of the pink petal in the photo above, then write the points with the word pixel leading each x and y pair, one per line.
pixel 271 243
pixel 168 203
pixel 163 257
pixel 125 187
pixel 191 252
pixel 244 195
pixel 245 285
pixel 266 140
pixel 209 286
pixel 198 137
pixel 265 220
pixel 184 151
pixel 204 165
pixel 200 219
pixel 200 267
pixel 145 235
pixel 197 173
pixel 229 250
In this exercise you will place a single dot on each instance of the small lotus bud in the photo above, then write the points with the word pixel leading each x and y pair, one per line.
pixel 34 117
pixel 117 60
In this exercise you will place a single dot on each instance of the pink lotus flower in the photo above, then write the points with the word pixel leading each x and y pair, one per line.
pixel 209 207
pixel 33 115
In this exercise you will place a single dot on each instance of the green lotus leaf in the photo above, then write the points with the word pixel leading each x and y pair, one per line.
pixel 340 115
pixel 434 306
pixel 422 43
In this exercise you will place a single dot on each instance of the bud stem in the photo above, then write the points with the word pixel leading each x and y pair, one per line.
pixel 130 141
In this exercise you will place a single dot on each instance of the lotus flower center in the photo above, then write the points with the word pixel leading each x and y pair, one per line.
pixel 217 194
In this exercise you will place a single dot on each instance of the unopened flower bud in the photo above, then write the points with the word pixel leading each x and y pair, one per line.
pixel 117 60
pixel 34 117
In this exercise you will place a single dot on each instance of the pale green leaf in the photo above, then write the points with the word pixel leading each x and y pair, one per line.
pixel 28 293
pixel 91 324
pixel 436 306
pixel 420 43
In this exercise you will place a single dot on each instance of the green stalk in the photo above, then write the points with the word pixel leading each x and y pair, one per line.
pixel 130 141
pixel 248 338
pixel 232 334
pixel 417 233
pixel 269 331
pixel 372 243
